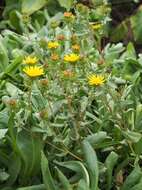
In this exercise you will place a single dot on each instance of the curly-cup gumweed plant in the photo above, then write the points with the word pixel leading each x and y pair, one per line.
pixel 70 110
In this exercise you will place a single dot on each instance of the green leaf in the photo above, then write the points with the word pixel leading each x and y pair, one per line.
pixel 3 55
pixel 14 169
pixel 64 181
pixel 2 133
pixel 97 2
pixel 66 3
pixel 34 187
pixel 12 90
pixel 132 179
pixel 96 138
pixel 132 136
pixel 138 147
pixel 47 178
pixel 92 164
pixel 8 188
pixel 78 167
pixel 110 163
pixel 136 25
pixel 4 118
pixel 131 53
pixel 82 185
pixel 11 68
pixel 38 101
pixel 30 6
pixel 3 176
pixel 29 146
pixel 16 21
pixel 138 186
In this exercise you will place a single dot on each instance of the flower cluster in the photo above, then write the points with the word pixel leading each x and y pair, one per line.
pixel 32 71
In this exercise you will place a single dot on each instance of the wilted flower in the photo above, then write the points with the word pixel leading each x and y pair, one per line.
pixel 12 102
pixel 76 47
pixel 74 38
pixel 43 114
pixel 100 61
pixel 96 80
pixel 54 57
pixel 33 71
pixel 68 73
pixel 61 37
pixel 44 82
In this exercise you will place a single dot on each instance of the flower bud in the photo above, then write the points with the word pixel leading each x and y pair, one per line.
pixel 44 82
pixel 43 114
pixel 11 102
pixel 54 57
pixel 61 37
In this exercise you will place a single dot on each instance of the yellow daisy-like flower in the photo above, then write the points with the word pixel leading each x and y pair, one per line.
pixel 33 71
pixel 71 57
pixel 96 26
pixel 96 80
pixel 30 60
pixel 53 45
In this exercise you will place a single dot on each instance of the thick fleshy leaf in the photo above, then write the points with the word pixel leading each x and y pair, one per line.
pixel 133 179
pixel 110 163
pixel 34 187
pixel 47 178
pixel 66 3
pixel 30 6
pixel 77 167
pixel 29 146
pixel 92 164
pixel 64 181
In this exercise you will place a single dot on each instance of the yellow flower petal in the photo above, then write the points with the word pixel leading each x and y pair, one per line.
pixel 33 71
pixel 30 60
pixel 96 26
pixel 71 57
pixel 96 80
pixel 53 45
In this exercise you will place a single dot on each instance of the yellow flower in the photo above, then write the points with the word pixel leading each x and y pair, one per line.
pixel 30 60
pixel 33 71
pixel 71 57
pixel 96 26
pixel 96 80
pixel 53 45
pixel 76 47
